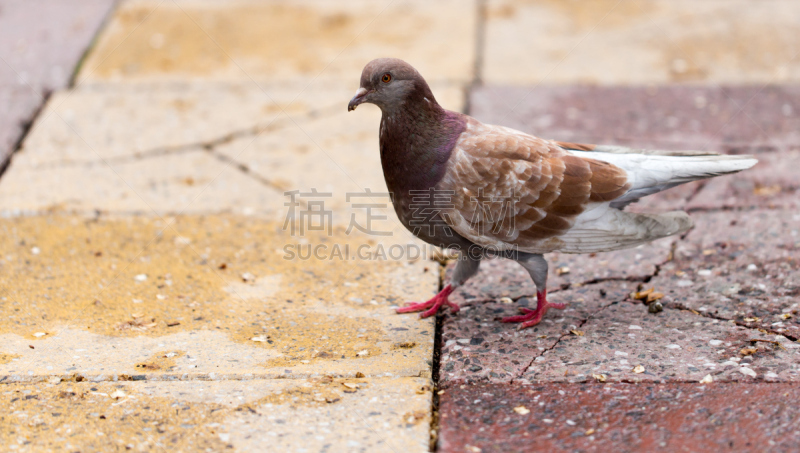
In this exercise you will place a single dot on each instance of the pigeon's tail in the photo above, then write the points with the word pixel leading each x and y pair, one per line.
pixel 650 172
pixel 605 229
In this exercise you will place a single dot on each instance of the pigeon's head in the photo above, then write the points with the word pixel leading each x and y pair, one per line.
pixel 389 83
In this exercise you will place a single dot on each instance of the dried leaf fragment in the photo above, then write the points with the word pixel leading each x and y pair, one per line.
pixel 638 369
pixel 654 297
pixel 577 332
pixel 562 270
pixel 786 316
pixel 589 432
pixel 748 351
pixel 642 295
pixel 753 319
pixel 599 377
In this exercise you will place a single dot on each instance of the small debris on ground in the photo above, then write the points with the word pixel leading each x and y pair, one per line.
pixel 118 394
pixel 707 379
pixel 562 270
pixel 599 377
pixel 522 410
pixel 748 351
pixel 578 333
pixel 638 369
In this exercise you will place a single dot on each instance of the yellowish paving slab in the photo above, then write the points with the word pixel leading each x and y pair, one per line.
pixel 220 296
pixel 190 182
pixel 323 414
pixel 641 41
pixel 111 123
pixel 281 40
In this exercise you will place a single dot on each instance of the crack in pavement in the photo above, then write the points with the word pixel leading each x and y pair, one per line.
pixel 25 127
pixel 681 307
pixel 560 337
pixel 211 144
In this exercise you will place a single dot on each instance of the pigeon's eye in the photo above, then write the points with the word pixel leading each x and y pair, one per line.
pixel 386 78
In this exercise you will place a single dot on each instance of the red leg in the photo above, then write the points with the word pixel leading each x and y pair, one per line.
pixel 533 317
pixel 432 305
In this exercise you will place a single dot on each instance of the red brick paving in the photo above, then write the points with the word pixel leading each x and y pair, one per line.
pixel 741 265
pixel 743 119
pixel 731 280
pixel 477 347
pixel 772 183
pixel 498 278
pixel 620 417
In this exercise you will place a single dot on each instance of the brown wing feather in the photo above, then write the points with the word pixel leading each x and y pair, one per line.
pixel 514 189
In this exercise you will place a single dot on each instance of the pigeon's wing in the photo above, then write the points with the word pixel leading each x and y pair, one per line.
pixel 512 190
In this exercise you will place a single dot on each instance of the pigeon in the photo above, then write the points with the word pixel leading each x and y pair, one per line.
pixel 491 191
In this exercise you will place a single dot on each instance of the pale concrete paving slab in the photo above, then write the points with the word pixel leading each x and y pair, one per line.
pixel 197 287
pixel 203 297
pixel 324 414
pixel 40 45
pixel 282 41
pixel 641 42
pixel 147 121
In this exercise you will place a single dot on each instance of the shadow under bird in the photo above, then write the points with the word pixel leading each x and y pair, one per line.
pixel 488 191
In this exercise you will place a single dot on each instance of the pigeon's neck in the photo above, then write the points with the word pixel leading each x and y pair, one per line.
pixel 416 140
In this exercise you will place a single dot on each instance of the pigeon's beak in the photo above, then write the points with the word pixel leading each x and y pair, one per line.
pixel 361 94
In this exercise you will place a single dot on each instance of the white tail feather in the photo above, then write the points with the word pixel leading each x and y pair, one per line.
pixel 652 173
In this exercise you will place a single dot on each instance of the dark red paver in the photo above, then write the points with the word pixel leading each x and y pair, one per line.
pixel 742 119
pixel 477 347
pixel 742 265
pixel 772 183
pixel 500 278
pixel 620 417
pixel 40 44
pixel 673 345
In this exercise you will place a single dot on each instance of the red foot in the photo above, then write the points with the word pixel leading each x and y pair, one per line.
pixel 533 317
pixel 432 305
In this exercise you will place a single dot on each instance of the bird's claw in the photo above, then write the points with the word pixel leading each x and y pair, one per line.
pixel 532 317
pixel 432 306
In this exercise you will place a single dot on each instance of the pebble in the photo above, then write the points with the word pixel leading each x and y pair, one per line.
pixel 715 342
pixel 707 379
pixel 140 277
pixel 36 250
pixel 673 346
pixel 747 372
